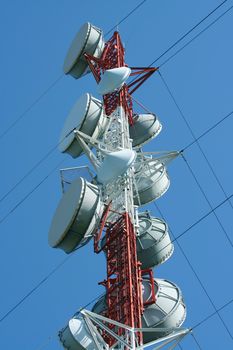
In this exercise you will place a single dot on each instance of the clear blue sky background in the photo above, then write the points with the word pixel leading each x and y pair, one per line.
pixel 35 36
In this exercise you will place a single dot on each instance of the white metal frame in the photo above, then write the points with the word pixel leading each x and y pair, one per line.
pixel 93 320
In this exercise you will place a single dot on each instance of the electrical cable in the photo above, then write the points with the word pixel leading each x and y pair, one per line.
pixel 38 285
pixel 56 268
pixel 108 32
pixel 195 37
pixel 187 33
pixel 127 16
pixel 195 340
pixel 196 274
pixel 184 149
pixel 28 173
pixel 205 157
pixel 203 217
pixel 54 83
pixel 194 136
pixel 35 102
pixel 46 91
pixel 29 108
pixel 207 131
pixel 29 193
pixel 212 314
pixel 42 346
pixel 206 198
pixel 177 238
pixel 89 303
pixel 35 166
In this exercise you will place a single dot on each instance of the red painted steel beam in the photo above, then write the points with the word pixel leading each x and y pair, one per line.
pixel 123 282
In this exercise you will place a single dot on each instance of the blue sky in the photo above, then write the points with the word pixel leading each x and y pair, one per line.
pixel 35 36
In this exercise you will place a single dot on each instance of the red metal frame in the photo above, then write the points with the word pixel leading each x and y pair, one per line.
pixel 123 282
pixel 150 276
pixel 98 234
pixel 147 72
pixel 113 57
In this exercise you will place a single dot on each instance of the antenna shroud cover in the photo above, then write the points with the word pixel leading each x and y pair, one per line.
pixel 145 128
pixel 154 245
pixel 75 336
pixel 151 181
pixel 86 116
pixel 89 39
pixel 76 216
pixel 113 79
pixel 167 313
pixel 115 164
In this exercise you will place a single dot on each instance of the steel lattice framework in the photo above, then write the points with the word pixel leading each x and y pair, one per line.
pixel 123 282
pixel 118 320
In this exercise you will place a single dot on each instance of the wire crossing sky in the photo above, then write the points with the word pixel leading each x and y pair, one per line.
pixel 199 75
pixel 50 87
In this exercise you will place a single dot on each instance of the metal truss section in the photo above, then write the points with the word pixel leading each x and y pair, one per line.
pixel 105 208
pixel 98 325
pixel 124 296
pixel 123 282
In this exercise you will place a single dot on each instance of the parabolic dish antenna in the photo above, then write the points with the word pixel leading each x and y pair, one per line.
pixel 168 312
pixel 113 79
pixel 86 116
pixel 144 128
pixel 88 40
pixel 115 164
pixel 154 245
pixel 151 181
pixel 76 216
pixel 75 336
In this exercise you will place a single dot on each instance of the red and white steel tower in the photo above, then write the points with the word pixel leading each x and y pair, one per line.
pixel 106 208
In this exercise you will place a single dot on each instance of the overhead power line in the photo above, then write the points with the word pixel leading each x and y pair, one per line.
pixel 195 37
pixel 38 285
pixel 28 173
pixel 196 341
pixel 207 131
pixel 127 16
pixel 62 263
pixel 55 82
pixel 39 98
pixel 29 108
pixel 204 216
pixel 204 320
pixel 194 223
pixel 49 338
pixel 188 32
pixel 47 90
pixel 36 165
pixel 207 200
pixel 196 275
pixel 211 128
pixel 29 193
pixel 172 96
pixel 212 314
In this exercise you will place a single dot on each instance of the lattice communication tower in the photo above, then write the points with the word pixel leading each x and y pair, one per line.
pixel 104 205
